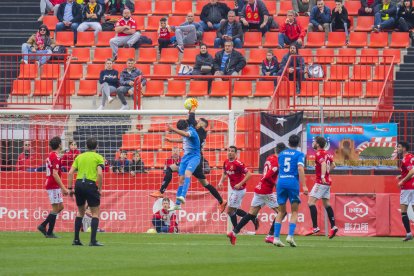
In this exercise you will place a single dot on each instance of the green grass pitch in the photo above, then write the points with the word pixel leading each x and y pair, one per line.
pixel 146 254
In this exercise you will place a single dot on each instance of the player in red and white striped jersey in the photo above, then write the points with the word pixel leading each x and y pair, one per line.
pixel 406 184
pixel 54 187
pixel 322 188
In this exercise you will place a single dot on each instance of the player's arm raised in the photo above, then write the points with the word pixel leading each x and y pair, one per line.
pixel 179 132
pixel 407 177
pixel 302 179
pixel 59 182
pixel 245 179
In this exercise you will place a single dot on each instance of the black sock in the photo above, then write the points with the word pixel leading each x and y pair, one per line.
pixel 94 229
pixel 241 213
pixel 214 192
pixel 78 226
pixel 272 228
pixel 331 217
pixel 243 222
pixel 314 215
pixel 406 222
pixel 233 219
pixel 167 179
pixel 52 221
pixel 44 223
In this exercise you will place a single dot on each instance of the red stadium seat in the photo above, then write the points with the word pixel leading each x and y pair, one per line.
pixel 346 56
pixel 218 126
pixel 131 141
pixel 331 89
pixel 163 7
pixel 176 20
pixel 251 70
pixel 176 88
pixel 64 38
pixel 75 71
pixel 284 7
pixel 161 70
pixel 103 38
pixel 145 69
pixel 28 71
pixel 336 39
pixel 198 88
pixel 208 38
pixel 339 72
pixel 264 89
pixel 147 55
pixel 330 4
pixel 85 39
pixel 309 89
pixel 374 89
pixel 271 39
pixel 161 156
pixel 240 141
pixel 400 40
pixel 69 89
pixel 271 7
pixel 324 56
pixel 50 71
pixel 352 7
pixel 381 72
pixel 199 6
pixel 252 39
pixel 102 54
pixel 43 88
pixel 256 56
pixel 93 71
pixel 364 23
pixel 153 36
pixel 169 55
pixel 369 56
pixel 307 55
pixel 153 22
pixel 215 141
pixel 361 72
pixel 140 21
pixel 315 39
pixel 378 40
pixel 50 21
pixel 81 55
pixel 154 88
pixel 168 145
pixel 242 89
pixel 87 88
pixel 143 7
pixel 352 89
pixel 189 55
pixel 148 158
pixel 241 124
pixel 389 53
pixel 219 89
pixel 152 141
pixel 183 7
pixel 21 88
pixel 358 39
pixel 125 53
pixel 303 21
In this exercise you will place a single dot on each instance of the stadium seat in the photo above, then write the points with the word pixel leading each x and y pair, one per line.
pixel 242 89
pixel 352 89
pixel 64 38
pixel 373 89
pixel 330 4
pixel 218 126
pixel 211 157
pixel 307 55
pixel 50 21
pixel 284 7
pixel 208 38
pixel 241 124
pixel 271 7
pixel 252 39
pixel 169 55
pixel 336 39
pixel 153 22
pixel 271 39
pixel 400 40
pixel 154 88
pixel 358 39
pixel 219 89
pixel 103 39
pixel 309 89
pixel 378 40
pixel 168 145
pixel 154 38
pixel 163 7
pixel 43 88
pixel 148 159
pixel 315 40
pixel 183 7
pixel 346 56
pixel 147 55
pixel 50 71
pixel 161 70
pixel 85 39
pixel 380 72
pixel 143 7
pixel 303 21
pixel 324 56
pixel 279 53
pixel 161 157
pixel 198 88
pixel 75 71
pixel 387 56
pixel 222 156
pixel 176 20
pixel 364 23
pixel 140 21
pixel 213 51
pixel 352 7
pixel 331 89
pixel 81 55
pixel 214 141
pixel 256 56
pixel 93 71
pixel 240 140
pixel 339 72
pixel 125 53
pixel 251 70
pixel 28 71
pixel 361 72
pixel 189 55
pixel 152 141
pixel 87 88
pixel 101 55
pixel 70 87
pixel 264 89
pixel 131 141
pixel 369 56
pixel 21 88
pixel 176 88
pixel 199 6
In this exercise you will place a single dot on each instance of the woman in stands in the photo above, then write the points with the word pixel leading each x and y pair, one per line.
pixel 38 43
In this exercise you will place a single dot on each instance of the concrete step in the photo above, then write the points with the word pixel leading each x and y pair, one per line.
pixel 405 75
pixel 32 24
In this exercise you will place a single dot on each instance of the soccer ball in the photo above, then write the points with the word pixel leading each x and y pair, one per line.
pixel 190 103
pixel 151 231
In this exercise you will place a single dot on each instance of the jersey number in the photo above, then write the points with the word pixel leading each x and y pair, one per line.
pixel 286 165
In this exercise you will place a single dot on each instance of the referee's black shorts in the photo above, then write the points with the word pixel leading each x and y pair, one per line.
pixel 87 191
pixel 198 173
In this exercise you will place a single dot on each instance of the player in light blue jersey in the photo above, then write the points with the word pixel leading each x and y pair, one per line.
pixel 190 160
pixel 291 173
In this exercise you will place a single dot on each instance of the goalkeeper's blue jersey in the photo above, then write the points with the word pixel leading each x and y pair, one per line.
pixel 289 160
pixel 191 144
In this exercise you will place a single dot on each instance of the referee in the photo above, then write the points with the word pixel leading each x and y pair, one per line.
pixel 88 188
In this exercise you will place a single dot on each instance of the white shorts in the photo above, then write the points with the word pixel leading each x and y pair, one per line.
pixel 407 197
pixel 236 198
pixel 261 200
pixel 55 196
pixel 321 191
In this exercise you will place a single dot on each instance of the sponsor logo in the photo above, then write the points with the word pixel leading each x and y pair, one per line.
pixel 353 210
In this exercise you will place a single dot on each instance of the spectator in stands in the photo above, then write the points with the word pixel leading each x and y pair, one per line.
pixel 69 15
pixel 121 165
pixel 28 159
pixel 303 7
pixel 228 61
pixel 340 20
pixel 164 35
pixel 384 17
pixel 49 5
pixel 291 31
pixel 137 165
pixel 405 17
pixel 69 156
pixel 367 7
pixel 270 65
pixel 295 68
pixel 127 78
pixel 165 221
pixel 38 43
pixel 203 62
pixel 109 81
pixel 238 6
pixel 255 16
pixel 320 18
pixel 213 14
pixel 190 21
pixel 187 33
pixel 91 14
pixel 118 6
pixel 229 30
pixel 126 33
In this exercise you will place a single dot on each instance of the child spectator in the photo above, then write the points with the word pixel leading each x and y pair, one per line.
pixel 121 165
pixel 270 65
pixel 69 156
pixel 165 221
pixel 137 165
pixel 164 34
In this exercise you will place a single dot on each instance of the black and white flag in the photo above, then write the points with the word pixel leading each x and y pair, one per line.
pixel 276 129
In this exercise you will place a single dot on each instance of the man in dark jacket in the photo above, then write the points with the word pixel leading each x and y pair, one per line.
pixel 320 18
pixel 384 17
pixel 367 7
pixel 69 15
pixel 203 63
pixel 228 61
pixel 230 30
pixel 405 17
pixel 295 68
pixel 255 16
pixel 213 14
pixel 340 20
